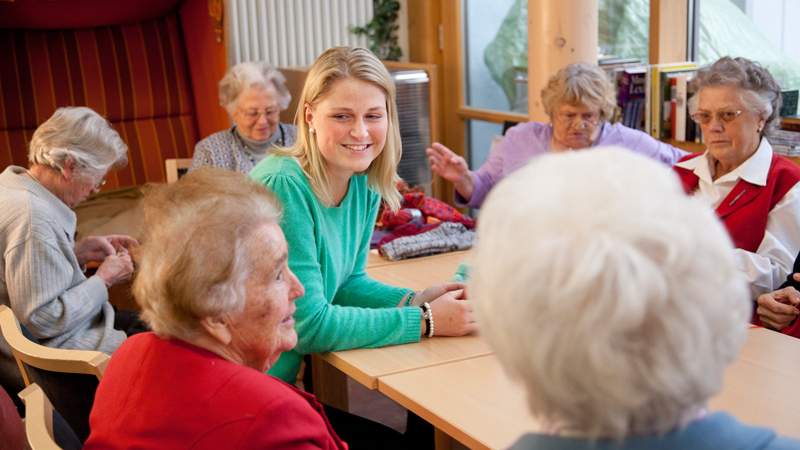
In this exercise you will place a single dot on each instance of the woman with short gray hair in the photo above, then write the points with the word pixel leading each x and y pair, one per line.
pixel 581 103
pixel 754 191
pixel 44 281
pixel 253 94
pixel 637 309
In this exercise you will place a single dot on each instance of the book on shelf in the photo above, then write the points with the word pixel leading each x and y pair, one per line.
pixel 629 77
pixel 669 100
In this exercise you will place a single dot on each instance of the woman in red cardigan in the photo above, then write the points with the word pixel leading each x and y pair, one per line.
pixel 754 191
pixel 214 286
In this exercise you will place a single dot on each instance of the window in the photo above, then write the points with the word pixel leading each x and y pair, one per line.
pixel 760 30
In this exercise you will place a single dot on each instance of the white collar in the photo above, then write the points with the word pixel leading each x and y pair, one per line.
pixel 754 170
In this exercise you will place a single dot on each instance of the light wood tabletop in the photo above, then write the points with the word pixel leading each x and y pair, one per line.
pixel 367 365
pixel 418 273
pixel 474 402
pixel 760 387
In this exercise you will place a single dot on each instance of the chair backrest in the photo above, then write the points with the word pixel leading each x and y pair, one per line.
pixel 176 168
pixel 68 377
pixel 29 353
pixel 38 419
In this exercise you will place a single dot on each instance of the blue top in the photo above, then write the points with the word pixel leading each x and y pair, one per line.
pixel 718 431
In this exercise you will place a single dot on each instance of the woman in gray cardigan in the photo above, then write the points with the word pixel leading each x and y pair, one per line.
pixel 42 266
pixel 254 94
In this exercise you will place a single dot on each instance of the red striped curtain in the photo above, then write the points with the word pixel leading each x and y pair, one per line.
pixel 134 75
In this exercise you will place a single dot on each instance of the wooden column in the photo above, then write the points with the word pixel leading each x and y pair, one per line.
pixel 669 31
pixel 560 32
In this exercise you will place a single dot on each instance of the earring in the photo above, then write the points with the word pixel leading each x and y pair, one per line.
pixel 311 130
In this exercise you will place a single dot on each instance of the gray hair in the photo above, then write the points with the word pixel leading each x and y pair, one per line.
pixel 196 257
pixel 81 135
pixel 759 89
pixel 625 306
pixel 248 75
pixel 580 83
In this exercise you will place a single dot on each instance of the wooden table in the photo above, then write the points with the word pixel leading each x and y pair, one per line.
pixel 367 365
pixel 474 402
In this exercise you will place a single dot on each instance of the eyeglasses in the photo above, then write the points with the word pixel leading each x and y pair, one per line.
pixel 726 116
pixel 255 114
pixel 591 118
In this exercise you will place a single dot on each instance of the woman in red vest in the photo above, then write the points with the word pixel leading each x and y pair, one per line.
pixel 754 191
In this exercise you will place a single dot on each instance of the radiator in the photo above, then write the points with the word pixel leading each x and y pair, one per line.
pixel 290 33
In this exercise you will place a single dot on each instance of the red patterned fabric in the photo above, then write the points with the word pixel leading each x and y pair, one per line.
pixel 135 75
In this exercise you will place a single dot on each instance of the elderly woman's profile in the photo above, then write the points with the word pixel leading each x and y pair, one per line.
pixel 45 281
pixel 215 288
pixel 624 310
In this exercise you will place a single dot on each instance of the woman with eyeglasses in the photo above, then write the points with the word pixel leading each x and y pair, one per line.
pixel 44 280
pixel 253 94
pixel 753 190
pixel 581 102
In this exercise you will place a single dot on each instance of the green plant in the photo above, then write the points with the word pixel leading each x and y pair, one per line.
pixel 381 30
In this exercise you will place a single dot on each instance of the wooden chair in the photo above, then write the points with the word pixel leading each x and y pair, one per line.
pixel 176 168
pixel 38 419
pixel 68 377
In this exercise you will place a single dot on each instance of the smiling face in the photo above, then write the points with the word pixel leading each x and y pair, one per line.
pixel 575 126
pixel 265 328
pixel 350 123
pixel 734 141
pixel 257 112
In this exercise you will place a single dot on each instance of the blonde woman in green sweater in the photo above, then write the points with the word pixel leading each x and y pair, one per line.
pixel 331 183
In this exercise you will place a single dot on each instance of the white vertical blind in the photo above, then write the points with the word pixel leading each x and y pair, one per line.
pixel 289 33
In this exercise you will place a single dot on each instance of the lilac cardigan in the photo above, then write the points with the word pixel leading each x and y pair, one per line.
pixel 528 140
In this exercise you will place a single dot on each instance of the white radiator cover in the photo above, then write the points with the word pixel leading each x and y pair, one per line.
pixel 291 33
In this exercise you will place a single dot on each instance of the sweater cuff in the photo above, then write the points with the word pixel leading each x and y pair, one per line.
pixel 96 288
pixel 413 326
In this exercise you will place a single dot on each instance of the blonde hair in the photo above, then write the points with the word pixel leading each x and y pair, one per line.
pixel 336 64
pixel 581 84
pixel 195 259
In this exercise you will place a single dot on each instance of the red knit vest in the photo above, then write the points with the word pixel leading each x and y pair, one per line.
pixel 746 208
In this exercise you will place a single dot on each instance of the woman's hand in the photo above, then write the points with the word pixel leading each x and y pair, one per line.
pixel 116 268
pixel 98 248
pixel 453 168
pixel 778 309
pixel 432 293
pixel 452 315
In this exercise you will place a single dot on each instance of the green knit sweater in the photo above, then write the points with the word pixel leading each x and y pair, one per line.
pixel 342 307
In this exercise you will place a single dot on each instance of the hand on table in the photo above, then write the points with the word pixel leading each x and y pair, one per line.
pixel 432 293
pixel 453 168
pixel 452 314
pixel 778 309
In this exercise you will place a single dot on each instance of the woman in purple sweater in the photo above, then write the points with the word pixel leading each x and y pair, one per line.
pixel 580 101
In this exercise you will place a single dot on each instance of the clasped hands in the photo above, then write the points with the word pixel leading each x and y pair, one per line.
pixel 113 253
pixel 778 309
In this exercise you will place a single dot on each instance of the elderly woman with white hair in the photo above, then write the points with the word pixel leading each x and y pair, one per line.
pixel 638 306
pixel 754 191
pixel 253 94
pixel 581 103
pixel 44 280
pixel 215 287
